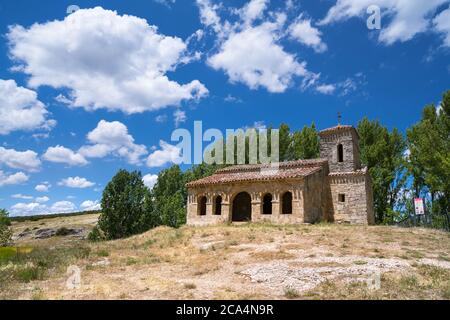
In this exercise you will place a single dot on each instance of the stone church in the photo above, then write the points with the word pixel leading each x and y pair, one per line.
pixel 333 188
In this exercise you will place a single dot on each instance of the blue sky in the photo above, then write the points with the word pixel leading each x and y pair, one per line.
pixel 87 93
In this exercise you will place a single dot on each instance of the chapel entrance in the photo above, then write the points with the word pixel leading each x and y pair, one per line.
pixel 242 208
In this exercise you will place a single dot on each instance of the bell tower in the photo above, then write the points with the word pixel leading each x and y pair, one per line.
pixel 340 145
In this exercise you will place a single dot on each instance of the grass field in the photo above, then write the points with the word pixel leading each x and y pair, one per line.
pixel 247 261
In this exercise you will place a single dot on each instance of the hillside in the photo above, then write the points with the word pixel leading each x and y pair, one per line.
pixel 244 261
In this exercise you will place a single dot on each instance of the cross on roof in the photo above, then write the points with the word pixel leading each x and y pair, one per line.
pixel 339 118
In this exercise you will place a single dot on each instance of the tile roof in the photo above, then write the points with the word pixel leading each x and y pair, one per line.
pixel 339 128
pixel 243 173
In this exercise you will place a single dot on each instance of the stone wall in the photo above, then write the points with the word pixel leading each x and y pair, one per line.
pixel 329 150
pixel 352 198
pixel 256 190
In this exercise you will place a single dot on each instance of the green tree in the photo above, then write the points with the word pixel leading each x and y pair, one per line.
pixel 169 197
pixel 429 160
pixel 123 212
pixel 285 142
pixel 383 153
pixel 5 230
pixel 305 144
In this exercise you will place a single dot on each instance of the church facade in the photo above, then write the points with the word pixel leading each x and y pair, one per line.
pixel 334 188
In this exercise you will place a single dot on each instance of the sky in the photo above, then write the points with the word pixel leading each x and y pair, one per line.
pixel 90 87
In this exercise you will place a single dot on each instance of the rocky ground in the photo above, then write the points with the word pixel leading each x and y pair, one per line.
pixel 248 261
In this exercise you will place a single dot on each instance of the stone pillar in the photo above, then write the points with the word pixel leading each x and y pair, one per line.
pixel 276 205
pixel 297 204
pixel 209 205
pixel 226 207
pixel 256 206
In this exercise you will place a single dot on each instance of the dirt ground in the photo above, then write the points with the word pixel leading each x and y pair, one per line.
pixel 252 261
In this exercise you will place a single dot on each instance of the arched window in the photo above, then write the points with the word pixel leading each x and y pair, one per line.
pixel 202 206
pixel 218 206
pixel 286 203
pixel 340 152
pixel 267 204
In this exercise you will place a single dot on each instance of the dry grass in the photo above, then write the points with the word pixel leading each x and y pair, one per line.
pixel 253 261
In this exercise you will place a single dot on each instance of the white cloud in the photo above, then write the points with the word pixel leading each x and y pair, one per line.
pixel 113 138
pixel 442 25
pixel 250 51
pixel 42 199
pixel 27 209
pixel 12 179
pixel 43 187
pixel 76 182
pixel 89 205
pixel 60 154
pixel 20 109
pixel 326 88
pixel 302 31
pixel 408 18
pixel 21 196
pixel 167 154
pixel 150 180
pixel 36 208
pixel 24 160
pixel 179 117
pixel 106 61
pixel 63 207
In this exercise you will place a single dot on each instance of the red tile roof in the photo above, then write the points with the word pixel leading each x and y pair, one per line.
pixel 339 128
pixel 243 173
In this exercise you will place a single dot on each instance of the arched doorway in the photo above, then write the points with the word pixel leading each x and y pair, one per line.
pixel 202 206
pixel 286 202
pixel 267 204
pixel 242 207
pixel 218 206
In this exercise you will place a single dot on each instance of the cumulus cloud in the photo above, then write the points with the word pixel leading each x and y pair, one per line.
pixel 250 49
pixel 150 180
pixel 302 31
pixel 43 187
pixel 106 60
pixel 167 154
pixel 90 205
pixel 112 138
pixel 408 18
pixel 76 182
pixel 42 199
pixel 60 154
pixel 442 24
pixel 20 109
pixel 36 208
pixel 21 196
pixel 24 160
pixel 326 88
pixel 12 179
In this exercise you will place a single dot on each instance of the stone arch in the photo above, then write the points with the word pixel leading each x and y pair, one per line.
pixel 218 205
pixel 267 204
pixel 286 203
pixel 202 200
pixel 242 207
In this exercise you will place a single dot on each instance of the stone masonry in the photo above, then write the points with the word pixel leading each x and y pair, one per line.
pixel 333 188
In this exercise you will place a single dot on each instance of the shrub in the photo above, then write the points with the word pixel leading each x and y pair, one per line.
pixel 95 235
pixel 5 230
pixel 62 232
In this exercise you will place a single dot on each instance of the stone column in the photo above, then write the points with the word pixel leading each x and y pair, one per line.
pixel 209 205
pixel 256 206
pixel 276 206
pixel 226 207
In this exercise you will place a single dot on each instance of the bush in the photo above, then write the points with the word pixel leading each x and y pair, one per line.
pixel 5 231
pixel 95 235
pixel 123 212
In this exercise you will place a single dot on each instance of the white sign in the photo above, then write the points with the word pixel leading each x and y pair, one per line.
pixel 419 207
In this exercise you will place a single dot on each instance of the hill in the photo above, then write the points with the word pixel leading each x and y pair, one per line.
pixel 247 261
